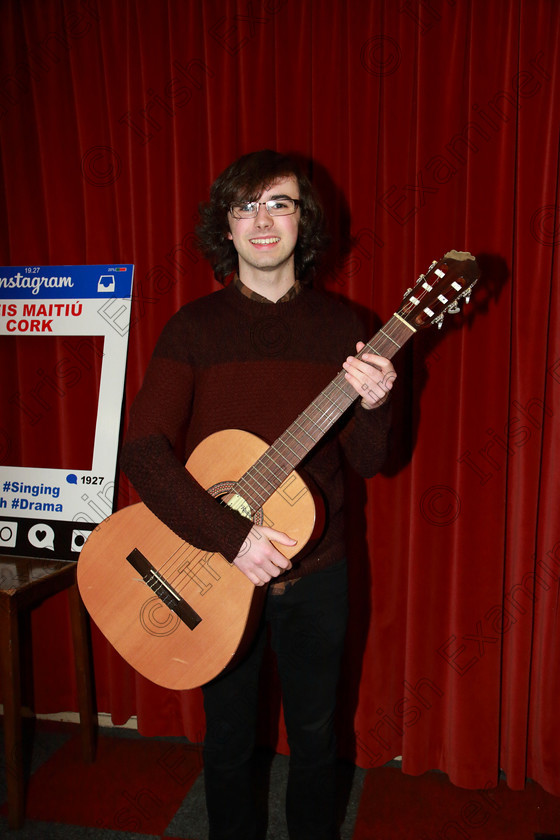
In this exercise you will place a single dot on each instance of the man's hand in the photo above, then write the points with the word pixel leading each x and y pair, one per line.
pixel 371 376
pixel 259 559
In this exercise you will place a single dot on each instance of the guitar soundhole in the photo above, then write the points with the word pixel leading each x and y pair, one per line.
pixel 225 493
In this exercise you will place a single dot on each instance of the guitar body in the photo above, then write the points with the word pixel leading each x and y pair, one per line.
pixel 154 639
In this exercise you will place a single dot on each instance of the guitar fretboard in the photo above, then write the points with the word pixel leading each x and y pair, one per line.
pixel 273 467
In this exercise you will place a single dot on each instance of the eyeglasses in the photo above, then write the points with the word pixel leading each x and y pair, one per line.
pixel 274 207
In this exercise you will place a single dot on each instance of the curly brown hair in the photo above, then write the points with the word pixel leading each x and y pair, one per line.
pixel 245 180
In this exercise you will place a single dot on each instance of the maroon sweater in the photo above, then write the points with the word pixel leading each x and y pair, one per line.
pixel 229 361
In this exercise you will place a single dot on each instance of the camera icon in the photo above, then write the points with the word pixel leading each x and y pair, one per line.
pixel 78 540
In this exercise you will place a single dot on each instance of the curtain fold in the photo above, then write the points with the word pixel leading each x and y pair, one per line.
pixel 429 127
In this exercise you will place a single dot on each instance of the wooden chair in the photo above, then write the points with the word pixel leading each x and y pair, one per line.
pixel 24 583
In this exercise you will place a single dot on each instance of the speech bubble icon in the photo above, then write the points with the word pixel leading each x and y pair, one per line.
pixel 71 478
pixel 41 536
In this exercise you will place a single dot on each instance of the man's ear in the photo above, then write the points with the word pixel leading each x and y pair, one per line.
pixel 228 234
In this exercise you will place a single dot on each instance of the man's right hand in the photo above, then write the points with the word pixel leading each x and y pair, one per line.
pixel 259 559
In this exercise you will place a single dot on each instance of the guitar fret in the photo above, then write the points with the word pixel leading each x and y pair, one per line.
pixel 304 430
pixel 311 420
pixel 263 478
pixel 300 443
pixel 270 453
pixel 329 416
pixel 258 475
pixel 343 389
pixel 278 471
pixel 287 445
pixel 247 488
pixel 396 343
pixel 262 474
pixel 274 450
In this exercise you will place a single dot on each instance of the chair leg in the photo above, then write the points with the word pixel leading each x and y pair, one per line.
pixel 84 678
pixel 11 682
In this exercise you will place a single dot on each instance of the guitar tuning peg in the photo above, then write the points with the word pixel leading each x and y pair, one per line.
pixel 467 297
pixel 454 308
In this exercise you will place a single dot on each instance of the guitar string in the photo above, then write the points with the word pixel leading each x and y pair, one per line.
pixel 188 571
pixel 185 571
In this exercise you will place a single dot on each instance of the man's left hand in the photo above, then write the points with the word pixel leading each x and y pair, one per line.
pixel 371 376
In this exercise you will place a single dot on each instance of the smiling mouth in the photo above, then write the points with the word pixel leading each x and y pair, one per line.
pixel 269 240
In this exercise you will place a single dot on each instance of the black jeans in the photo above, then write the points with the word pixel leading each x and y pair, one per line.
pixel 308 625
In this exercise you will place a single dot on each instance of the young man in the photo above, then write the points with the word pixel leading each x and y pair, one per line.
pixel 253 356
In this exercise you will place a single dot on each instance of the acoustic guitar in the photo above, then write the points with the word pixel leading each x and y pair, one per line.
pixel 180 615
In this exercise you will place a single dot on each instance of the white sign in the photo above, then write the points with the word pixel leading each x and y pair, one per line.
pixel 63 348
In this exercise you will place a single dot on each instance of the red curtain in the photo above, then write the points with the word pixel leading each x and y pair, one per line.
pixel 431 126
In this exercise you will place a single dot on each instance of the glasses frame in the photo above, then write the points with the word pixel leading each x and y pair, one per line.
pixel 258 204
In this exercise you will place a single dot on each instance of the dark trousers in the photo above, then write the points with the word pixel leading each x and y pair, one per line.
pixel 307 625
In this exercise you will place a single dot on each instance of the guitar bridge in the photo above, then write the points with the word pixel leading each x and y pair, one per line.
pixel 164 591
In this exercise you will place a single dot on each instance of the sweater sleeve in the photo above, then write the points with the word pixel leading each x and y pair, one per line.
pixel 365 439
pixel 150 459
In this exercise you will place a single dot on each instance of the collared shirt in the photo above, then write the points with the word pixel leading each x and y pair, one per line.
pixel 245 290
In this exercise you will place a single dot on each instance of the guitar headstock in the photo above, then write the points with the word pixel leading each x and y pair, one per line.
pixel 440 290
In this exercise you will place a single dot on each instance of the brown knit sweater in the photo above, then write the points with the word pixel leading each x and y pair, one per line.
pixel 228 361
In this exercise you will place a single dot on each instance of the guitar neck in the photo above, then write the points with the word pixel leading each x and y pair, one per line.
pixel 289 450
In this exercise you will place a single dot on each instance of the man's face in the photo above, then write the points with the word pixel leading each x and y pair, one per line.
pixel 266 242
